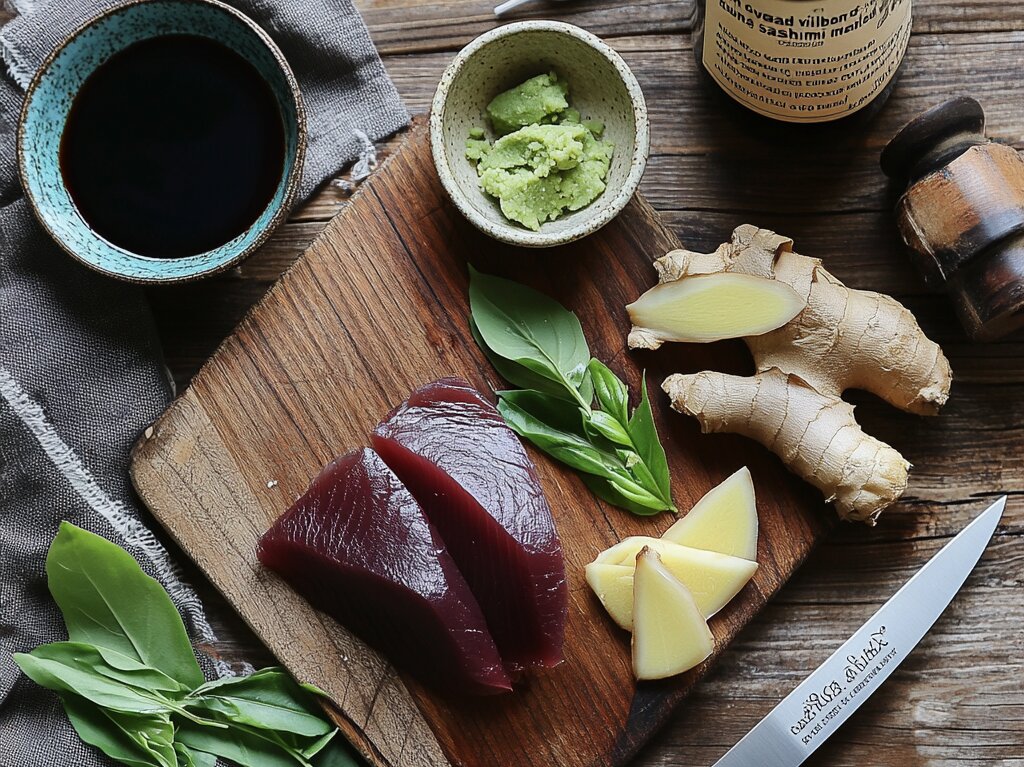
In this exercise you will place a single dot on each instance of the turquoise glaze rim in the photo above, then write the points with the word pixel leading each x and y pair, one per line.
pixel 49 97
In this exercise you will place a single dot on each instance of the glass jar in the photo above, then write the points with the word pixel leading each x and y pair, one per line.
pixel 803 61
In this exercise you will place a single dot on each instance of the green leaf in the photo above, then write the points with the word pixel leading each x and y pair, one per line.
pixel 312 689
pixel 312 748
pixel 550 411
pixel 586 389
pixel 605 424
pixel 612 395
pixel 520 324
pixel 606 491
pixel 202 759
pixel 103 730
pixel 550 426
pixel 110 664
pixel 126 675
pixel 648 445
pixel 337 754
pixel 542 420
pixel 189 757
pixel 305 747
pixel 184 756
pixel 537 344
pixel 636 492
pixel 268 699
pixel 270 717
pixel 524 378
pixel 108 601
pixel 239 744
pixel 156 737
pixel 516 374
pixel 63 676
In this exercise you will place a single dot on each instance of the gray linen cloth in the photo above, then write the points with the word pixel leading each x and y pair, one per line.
pixel 81 374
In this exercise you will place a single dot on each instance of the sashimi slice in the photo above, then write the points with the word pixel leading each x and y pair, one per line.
pixel 358 546
pixel 452 449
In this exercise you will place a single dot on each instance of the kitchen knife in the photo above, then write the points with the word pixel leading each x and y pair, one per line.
pixel 838 687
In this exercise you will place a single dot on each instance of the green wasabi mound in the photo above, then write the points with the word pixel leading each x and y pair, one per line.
pixel 546 159
pixel 539 100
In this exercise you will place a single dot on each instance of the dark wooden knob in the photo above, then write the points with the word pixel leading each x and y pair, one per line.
pixel 933 139
pixel 962 214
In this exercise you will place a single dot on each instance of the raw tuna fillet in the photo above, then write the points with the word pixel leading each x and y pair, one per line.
pixel 452 449
pixel 358 546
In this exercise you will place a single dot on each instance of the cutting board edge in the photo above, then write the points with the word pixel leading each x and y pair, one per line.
pixel 632 744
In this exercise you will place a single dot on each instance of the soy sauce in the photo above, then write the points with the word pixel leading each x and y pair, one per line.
pixel 173 146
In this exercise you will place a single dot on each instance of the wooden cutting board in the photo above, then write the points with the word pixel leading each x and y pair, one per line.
pixel 376 307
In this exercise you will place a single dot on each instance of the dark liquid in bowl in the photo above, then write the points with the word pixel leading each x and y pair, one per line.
pixel 173 147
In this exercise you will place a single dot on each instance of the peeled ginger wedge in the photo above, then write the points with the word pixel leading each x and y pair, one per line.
pixel 712 578
pixel 711 307
pixel 613 585
pixel 724 520
pixel 670 635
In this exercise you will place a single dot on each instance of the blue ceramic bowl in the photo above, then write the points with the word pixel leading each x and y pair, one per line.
pixel 49 98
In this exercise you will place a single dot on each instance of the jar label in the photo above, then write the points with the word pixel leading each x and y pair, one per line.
pixel 802 61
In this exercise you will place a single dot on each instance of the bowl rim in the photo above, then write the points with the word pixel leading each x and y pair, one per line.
pixel 510 233
pixel 292 179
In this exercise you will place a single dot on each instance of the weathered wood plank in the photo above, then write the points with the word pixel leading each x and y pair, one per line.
pixel 410 26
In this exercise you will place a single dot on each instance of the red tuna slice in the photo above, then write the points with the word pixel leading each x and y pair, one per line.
pixel 470 472
pixel 358 546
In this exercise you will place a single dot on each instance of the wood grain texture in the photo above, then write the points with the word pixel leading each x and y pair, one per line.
pixel 376 307
pixel 958 699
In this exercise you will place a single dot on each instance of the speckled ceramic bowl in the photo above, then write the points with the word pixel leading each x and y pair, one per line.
pixel 49 98
pixel 601 87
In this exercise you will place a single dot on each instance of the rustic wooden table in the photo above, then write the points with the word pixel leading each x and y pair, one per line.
pixel 960 697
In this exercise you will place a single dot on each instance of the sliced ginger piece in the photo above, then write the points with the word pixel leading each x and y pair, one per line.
pixel 712 578
pixel 670 635
pixel 724 520
pixel 613 585
pixel 711 307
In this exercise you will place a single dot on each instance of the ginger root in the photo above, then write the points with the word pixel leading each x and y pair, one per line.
pixel 815 434
pixel 843 338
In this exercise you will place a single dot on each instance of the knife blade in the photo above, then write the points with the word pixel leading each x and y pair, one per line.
pixel 821 703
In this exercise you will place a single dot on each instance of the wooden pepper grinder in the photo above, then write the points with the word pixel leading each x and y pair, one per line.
pixel 962 214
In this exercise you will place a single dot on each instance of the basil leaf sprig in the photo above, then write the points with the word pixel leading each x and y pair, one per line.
pixel 570 405
pixel 131 685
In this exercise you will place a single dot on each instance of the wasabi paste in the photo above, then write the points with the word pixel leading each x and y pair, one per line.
pixel 546 160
